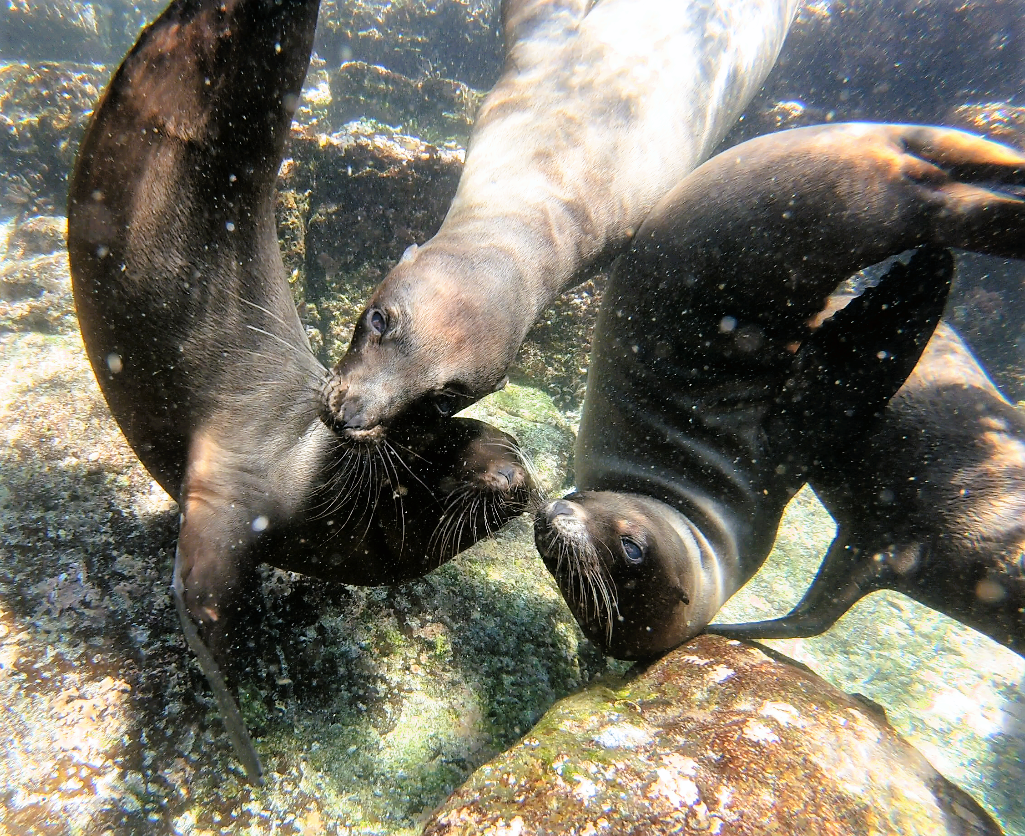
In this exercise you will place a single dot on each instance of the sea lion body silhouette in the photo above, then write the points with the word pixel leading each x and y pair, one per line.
pixel 190 326
pixel 602 108
pixel 929 501
pixel 692 436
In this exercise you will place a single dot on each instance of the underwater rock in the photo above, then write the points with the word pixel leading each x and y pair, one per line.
pixel 457 39
pixel 35 283
pixel 43 111
pixel 997 120
pixel 369 705
pixel 715 737
pixel 436 109
pixel 923 58
pixel 53 30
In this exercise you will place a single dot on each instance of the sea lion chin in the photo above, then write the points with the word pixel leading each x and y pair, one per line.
pixel 601 109
pixel 695 395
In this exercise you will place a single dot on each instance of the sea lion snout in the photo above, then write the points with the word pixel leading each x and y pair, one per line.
pixel 559 508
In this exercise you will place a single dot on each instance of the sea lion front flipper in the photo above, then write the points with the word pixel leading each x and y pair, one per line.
pixel 241 742
pixel 846 575
pixel 844 374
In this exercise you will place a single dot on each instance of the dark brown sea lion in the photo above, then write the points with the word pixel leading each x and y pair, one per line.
pixel 190 327
pixel 930 502
pixel 602 108
pixel 690 375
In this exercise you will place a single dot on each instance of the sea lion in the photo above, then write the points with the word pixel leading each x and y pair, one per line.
pixel 688 394
pixel 602 108
pixel 190 327
pixel 930 502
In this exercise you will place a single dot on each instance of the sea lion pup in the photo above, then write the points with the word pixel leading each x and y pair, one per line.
pixel 191 330
pixel 602 108
pixel 682 476
pixel 930 502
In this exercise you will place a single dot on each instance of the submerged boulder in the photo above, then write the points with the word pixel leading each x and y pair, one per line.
pixel 715 737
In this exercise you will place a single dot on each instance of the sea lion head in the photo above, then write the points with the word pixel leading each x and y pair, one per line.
pixel 424 347
pixel 491 481
pixel 629 572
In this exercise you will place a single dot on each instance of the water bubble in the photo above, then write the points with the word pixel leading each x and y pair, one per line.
pixel 260 523
pixel 114 363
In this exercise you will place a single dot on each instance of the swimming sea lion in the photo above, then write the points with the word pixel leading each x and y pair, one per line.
pixel 688 383
pixel 602 108
pixel 930 502
pixel 191 330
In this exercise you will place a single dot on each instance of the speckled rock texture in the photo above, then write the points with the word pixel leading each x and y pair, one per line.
pixel 368 705
pixel 44 108
pixel 716 737
pixel 35 286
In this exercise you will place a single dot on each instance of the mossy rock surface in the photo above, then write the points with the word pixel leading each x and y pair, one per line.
pixel 715 737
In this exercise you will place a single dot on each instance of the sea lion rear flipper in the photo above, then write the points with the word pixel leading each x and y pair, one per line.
pixel 844 374
pixel 978 185
pixel 226 704
pixel 846 575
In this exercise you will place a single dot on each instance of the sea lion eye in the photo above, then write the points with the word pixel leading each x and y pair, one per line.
pixel 632 551
pixel 445 404
pixel 378 321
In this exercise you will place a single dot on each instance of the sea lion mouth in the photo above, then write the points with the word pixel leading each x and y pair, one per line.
pixel 372 436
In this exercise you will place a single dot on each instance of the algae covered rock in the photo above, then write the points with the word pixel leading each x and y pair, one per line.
pixel 368 705
pixel 35 282
pixel 715 737
pixel 438 109
pixel 43 111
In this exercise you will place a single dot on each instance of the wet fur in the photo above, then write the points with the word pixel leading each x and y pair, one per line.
pixel 930 501
pixel 601 109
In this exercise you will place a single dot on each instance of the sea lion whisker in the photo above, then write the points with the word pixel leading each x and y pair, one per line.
pixel 342 486
pixel 304 354
pixel 407 449
pixel 265 310
pixel 393 449
pixel 445 531
pixel 392 473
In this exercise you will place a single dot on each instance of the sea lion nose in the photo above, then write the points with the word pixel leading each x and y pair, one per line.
pixel 508 473
pixel 559 508
pixel 351 416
